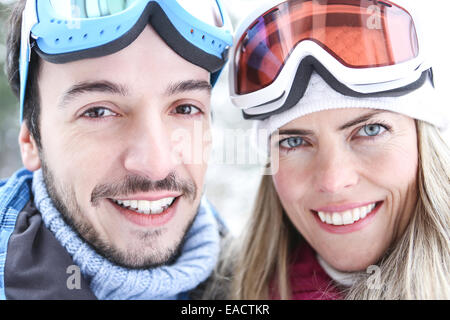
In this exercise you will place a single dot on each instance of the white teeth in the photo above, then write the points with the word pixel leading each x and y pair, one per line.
pixel 143 206
pixel 126 203
pixel 356 214
pixel 346 217
pixel 364 212
pixel 337 219
pixel 146 207
pixel 322 216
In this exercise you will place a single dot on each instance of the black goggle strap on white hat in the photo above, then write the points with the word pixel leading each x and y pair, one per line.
pixel 301 81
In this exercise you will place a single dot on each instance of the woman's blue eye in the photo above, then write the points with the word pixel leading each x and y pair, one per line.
pixel 292 142
pixel 371 130
pixel 187 110
pixel 98 112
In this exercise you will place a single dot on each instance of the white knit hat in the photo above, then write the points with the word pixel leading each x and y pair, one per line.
pixel 421 104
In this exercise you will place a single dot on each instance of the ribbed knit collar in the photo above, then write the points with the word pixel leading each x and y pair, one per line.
pixel 109 281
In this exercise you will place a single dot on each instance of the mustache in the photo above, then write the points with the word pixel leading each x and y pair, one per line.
pixel 133 184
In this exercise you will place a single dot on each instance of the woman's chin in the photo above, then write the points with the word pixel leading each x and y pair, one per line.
pixel 349 263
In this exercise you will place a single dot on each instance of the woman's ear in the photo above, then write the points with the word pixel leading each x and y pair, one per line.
pixel 29 149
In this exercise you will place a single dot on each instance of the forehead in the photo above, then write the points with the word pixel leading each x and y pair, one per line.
pixel 335 118
pixel 147 64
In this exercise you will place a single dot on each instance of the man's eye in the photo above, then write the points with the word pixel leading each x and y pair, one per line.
pixel 187 109
pixel 98 112
pixel 371 130
pixel 292 142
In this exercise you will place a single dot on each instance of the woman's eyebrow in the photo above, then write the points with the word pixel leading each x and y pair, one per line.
pixel 299 132
pixel 361 119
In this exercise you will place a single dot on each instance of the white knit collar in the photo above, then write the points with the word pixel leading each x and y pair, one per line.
pixel 346 279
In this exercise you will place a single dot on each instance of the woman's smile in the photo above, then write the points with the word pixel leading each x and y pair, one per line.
pixel 346 218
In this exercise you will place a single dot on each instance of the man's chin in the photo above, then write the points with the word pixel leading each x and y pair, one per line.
pixel 142 260
pixel 131 249
pixel 145 249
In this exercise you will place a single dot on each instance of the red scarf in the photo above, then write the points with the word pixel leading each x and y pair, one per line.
pixel 307 278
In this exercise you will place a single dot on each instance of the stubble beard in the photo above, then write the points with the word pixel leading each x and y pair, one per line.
pixel 148 254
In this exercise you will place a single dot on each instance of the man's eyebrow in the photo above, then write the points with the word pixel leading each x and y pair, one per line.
pixel 188 85
pixel 361 119
pixel 93 87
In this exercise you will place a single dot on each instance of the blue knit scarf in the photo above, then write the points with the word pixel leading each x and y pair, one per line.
pixel 109 281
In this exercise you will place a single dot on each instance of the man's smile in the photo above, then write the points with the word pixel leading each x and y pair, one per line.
pixel 145 206
pixel 146 213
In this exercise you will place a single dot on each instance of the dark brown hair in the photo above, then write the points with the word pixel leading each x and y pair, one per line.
pixel 31 109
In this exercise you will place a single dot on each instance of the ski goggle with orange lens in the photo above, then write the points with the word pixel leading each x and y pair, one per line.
pixel 361 48
pixel 62 31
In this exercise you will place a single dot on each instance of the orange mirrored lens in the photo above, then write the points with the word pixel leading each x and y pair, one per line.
pixel 358 33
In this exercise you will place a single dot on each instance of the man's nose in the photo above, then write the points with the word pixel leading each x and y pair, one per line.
pixel 336 170
pixel 149 151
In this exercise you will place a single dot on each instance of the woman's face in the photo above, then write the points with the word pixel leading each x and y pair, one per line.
pixel 347 181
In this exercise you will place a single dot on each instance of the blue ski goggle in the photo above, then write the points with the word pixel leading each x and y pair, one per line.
pixel 62 31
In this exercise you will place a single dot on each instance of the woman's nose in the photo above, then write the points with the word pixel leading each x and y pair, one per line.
pixel 336 171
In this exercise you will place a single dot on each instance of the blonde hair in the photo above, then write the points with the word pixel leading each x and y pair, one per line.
pixel 417 266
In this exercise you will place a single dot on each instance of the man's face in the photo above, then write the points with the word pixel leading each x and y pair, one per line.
pixel 118 137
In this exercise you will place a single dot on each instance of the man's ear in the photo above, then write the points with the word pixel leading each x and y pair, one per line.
pixel 29 149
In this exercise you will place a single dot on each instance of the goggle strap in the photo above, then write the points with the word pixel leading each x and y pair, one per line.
pixel 303 75
pixel 162 25
pixel 104 50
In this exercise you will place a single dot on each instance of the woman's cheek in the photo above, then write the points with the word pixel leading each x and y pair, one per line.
pixel 392 164
pixel 286 183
